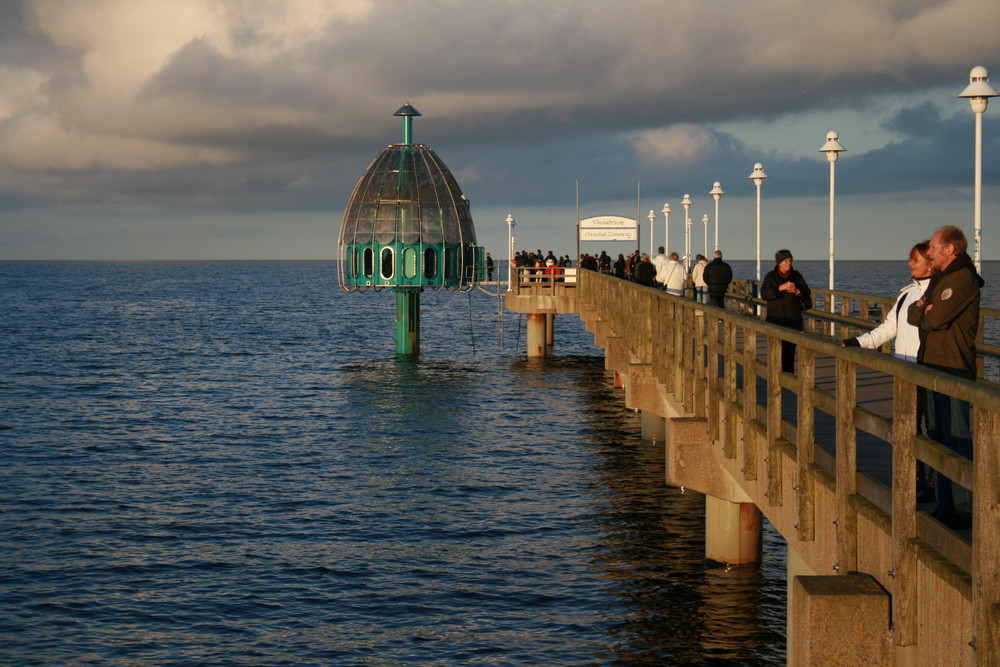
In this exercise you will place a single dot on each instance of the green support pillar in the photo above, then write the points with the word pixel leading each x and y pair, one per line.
pixel 407 320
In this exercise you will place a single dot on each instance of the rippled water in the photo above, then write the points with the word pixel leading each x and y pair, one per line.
pixel 224 463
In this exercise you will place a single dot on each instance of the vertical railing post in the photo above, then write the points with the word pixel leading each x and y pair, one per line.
pixel 698 362
pixel 847 468
pixel 712 371
pixel 904 513
pixel 749 404
pixel 687 362
pixel 986 538
pixel 678 362
pixel 805 439
pixel 773 420
pixel 729 405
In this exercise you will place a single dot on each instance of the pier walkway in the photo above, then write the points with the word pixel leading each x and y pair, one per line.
pixel 828 455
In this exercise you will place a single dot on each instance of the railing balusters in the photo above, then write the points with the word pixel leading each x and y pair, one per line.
pixel 773 420
pixel 847 467
pixel 904 512
pixel 805 444
pixel 729 405
pixel 749 404
pixel 712 372
pixel 986 543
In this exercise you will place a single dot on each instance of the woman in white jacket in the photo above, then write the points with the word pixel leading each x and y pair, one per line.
pixel 907 340
pixel 895 326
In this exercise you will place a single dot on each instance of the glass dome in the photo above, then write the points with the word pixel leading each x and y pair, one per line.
pixel 408 224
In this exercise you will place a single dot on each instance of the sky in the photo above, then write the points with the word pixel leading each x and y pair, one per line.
pixel 237 129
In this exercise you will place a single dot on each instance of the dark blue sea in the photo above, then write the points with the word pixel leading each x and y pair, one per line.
pixel 224 463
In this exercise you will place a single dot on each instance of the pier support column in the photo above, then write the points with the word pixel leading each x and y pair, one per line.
pixel 407 320
pixel 550 329
pixel 652 427
pixel 732 531
pixel 536 334
pixel 795 566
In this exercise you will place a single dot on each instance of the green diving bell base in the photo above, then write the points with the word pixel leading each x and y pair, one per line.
pixel 407 320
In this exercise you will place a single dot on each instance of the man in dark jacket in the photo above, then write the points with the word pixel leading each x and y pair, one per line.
pixel 948 318
pixel 717 276
pixel 645 271
pixel 787 296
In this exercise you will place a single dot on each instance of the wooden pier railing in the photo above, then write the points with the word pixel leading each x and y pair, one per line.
pixel 829 453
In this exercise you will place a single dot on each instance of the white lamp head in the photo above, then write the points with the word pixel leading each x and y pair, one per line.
pixel 666 209
pixel 717 190
pixel 704 219
pixel 979 89
pixel 832 147
pixel 651 216
pixel 758 174
pixel 686 202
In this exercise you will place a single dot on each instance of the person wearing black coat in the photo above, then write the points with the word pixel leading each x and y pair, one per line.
pixel 787 296
pixel 717 276
pixel 645 272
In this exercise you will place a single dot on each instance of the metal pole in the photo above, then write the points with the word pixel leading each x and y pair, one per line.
pixel 666 230
pixel 833 166
pixel 758 230
pixel 716 225
pixel 978 206
pixel 510 253
pixel 704 221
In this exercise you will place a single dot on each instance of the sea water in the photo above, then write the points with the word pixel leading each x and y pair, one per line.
pixel 225 463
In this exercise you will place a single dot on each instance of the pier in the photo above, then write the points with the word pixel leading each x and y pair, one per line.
pixel 828 455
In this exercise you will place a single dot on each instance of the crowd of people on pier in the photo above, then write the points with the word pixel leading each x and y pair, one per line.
pixel 707 281
pixel 934 322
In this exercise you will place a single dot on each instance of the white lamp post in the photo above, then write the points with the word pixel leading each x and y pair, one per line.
pixel 978 91
pixel 758 177
pixel 666 228
pixel 686 203
pixel 510 254
pixel 716 193
pixel 833 149
pixel 652 218
pixel 704 221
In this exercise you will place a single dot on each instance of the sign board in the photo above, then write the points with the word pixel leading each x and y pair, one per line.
pixel 608 235
pixel 609 228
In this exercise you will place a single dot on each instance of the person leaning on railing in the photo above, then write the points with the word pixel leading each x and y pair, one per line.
pixel 948 318
pixel 905 336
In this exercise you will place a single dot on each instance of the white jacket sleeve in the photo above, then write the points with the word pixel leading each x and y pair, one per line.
pixel 884 332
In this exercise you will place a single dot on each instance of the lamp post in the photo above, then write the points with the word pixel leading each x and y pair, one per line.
pixel 652 218
pixel 686 203
pixel 510 252
pixel 716 193
pixel 704 221
pixel 833 149
pixel 979 91
pixel 666 229
pixel 758 177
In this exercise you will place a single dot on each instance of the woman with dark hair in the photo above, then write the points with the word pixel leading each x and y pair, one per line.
pixel 905 336
pixel 787 296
